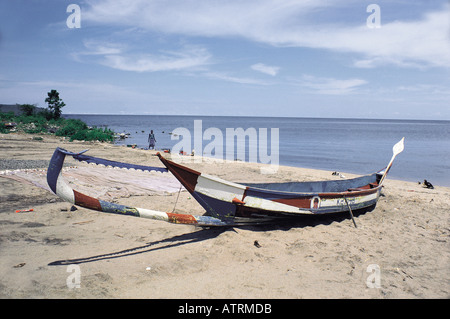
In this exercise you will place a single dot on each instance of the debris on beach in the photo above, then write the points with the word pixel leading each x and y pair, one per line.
pixel 10 126
pixel 121 136
pixel 24 210
pixel 338 174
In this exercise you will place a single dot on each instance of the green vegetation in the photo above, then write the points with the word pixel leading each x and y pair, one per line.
pixel 38 123
pixel 49 121
pixel 78 130
pixel 28 109
pixel 54 104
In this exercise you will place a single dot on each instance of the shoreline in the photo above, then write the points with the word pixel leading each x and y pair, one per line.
pixel 407 236
pixel 7 164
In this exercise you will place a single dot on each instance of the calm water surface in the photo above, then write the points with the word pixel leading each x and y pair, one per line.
pixel 358 146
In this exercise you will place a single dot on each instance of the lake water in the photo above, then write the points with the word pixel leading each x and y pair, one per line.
pixel 358 146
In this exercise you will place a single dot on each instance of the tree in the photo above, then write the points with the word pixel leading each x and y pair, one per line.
pixel 28 109
pixel 54 103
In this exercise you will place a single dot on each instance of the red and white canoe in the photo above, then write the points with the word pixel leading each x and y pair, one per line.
pixel 227 203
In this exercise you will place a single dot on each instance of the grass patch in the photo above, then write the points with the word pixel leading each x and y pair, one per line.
pixel 39 123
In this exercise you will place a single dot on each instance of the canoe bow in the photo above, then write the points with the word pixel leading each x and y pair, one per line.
pixel 59 186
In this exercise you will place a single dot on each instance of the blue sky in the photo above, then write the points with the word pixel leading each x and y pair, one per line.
pixel 316 58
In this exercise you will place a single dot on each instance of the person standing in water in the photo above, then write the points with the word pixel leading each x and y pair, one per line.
pixel 151 140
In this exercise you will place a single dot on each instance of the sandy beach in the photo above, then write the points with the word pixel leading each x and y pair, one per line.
pixel 405 238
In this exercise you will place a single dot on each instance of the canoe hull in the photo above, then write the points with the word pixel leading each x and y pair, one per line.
pixel 228 203
pixel 227 200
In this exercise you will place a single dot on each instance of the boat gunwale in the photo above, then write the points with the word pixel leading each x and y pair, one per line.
pixel 334 194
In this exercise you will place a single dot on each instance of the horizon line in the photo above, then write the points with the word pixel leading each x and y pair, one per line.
pixel 262 116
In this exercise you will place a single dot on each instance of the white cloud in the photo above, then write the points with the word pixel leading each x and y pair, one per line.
pixel 424 41
pixel 270 70
pixel 168 61
pixel 430 90
pixel 234 79
pixel 420 43
pixel 333 86
pixel 198 17
pixel 118 56
pixel 97 48
pixel 102 48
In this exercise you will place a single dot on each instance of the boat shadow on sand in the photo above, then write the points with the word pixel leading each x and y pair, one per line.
pixel 310 220
pixel 175 241
pixel 206 233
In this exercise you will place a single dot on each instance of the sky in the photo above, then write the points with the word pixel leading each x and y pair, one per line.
pixel 313 58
